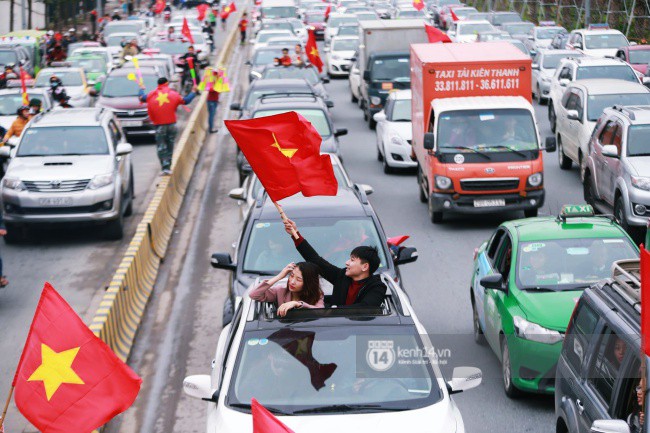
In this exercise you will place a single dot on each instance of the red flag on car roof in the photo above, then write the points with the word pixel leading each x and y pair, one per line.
pixel 284 151
pixel 645 300
pixel 418 4
pixel 312 51
pixel 453 14
pixel 185 31
pixel 435 35
pixel 265 422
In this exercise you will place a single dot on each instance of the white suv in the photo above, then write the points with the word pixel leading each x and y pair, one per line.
pixel 579 109
pixel 584 68
pixel 597 42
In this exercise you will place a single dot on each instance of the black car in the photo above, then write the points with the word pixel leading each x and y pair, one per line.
pixel 599 368
pixel 308 73
pixel 334 225
pixel 16 55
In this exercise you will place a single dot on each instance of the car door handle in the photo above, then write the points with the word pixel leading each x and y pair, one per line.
pixel 580 407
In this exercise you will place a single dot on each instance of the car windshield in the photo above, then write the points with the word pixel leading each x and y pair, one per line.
pixel 90 65
pixel 519 28
pixel 366 16
pixel 311 363
pixel 597 103
pixel 8 58
pixel 463 12
pixel 171 47
pixel 308 74
pixel 520 46
pixel 638 140
pixel 478 16
pixel 620 72
pixel 613 40
pixel 487 131
pixel 9 103
pixel 269 248
pixel 348 31
pixel 265 57
pixel 506 18
pixel 338 174
pixel 569 264
pixel 315 18
pixel 68 78
pixel 63 140
pixel 639 56
pixel 391 69
pixel 278 26
pixel 335 22
pixel 121 28
pixel 472 29
pixel 265 36
pixel 493 36
pixel 119 86
pixel 118 40
pixel 551 61
pixel 316 117
pixel 411 14
pixel 401 111
pixel 548 33
pixel 279 12
pixel 442 3
pixel 345 45
pixel 256 94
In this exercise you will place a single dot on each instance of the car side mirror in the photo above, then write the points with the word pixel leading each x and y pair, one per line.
pixel 379 117
pixel 406 255
pixel 646 80
pixel 610 426
pixel 610 151
pixel 222 261
pixel 247 63
pixel 340 132
pixel 632 44
pixel 235 106
pixel 237 194
pixel 429 141
pixel 493 282
pixel 200 386
pixel 577 46
pixel 5 152
pixel 366 188
pixel 123 149
pixel 464 378
pixel 366 75
pixel 329 104
pixel 551 144
pixel 573 115
pixel 564 82
pixel 326 49
pixel 535 66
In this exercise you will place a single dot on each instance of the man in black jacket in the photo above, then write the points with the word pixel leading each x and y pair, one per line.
pixel 355 284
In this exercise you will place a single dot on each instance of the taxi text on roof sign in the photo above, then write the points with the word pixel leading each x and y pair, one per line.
pixel 576 210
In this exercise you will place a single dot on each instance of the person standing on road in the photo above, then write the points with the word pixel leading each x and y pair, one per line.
pixel 355 284
pixel 161 106
pixel 243 26
pixel 212 17
pixel 209 30
pixel 213 102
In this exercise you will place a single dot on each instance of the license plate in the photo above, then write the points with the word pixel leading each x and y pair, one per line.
pixel 128 123
pixel 490 203
pixel 55 201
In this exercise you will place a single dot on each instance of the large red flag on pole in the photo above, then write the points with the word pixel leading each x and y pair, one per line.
pixel 202 9
pixel 264 421
pixel 418 4
pixel 312 51
pixel 435 35
pixel 185 31
pixel 645 300
pixel 68 380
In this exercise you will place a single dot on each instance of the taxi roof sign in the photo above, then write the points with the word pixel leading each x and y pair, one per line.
pixel 598 26
pixel 576 211
pixel 546 23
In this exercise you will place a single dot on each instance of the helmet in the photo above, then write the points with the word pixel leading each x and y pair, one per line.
pixel 22 108
pixel 72 30
pixel 85 29
pixel 50 32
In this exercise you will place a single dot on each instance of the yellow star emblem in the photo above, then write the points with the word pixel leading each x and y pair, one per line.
pixel 417 2
pixel 286 152
pixel 55 369
pixel 314 51
pixel 303 346
pixel 162 98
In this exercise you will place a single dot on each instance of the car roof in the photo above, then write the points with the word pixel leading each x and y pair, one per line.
pixel 279 83
pixel 478 102
pixel 126 70
pixel 345 204
pixel 124 34
pixel 69 117
pixel 550 227
pixel 598 31
pixel 400 94
pixel 345 38
pixel 62 69
pixel 595 61
pixel 607 86
pixel 466 22
pixel 637 114
pixel 288 103
pixel 567 53
pixel 637 47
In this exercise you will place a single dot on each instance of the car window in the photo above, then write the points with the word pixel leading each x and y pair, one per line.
pixel 504 257
pixel 597 103
pixel 316 117
pixel 565 73
pixel 628 408
pixel 401 111
pixel 579 103
pixel 70 140
pixel 68 78
pixel 571 101
pixel 605 365
pixel 638 140
pixel 494 244
pixel 619 72
pixel 388 109
pixel 580 330
pixel 607 136
pixel 618 137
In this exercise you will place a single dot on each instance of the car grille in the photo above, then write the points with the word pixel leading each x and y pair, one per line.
pixel 502 184
pixel 132 114
pixel 55 185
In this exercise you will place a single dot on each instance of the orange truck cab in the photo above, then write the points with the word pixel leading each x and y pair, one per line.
pixel 474 131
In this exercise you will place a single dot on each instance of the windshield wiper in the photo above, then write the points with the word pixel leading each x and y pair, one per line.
pixel 274 410
pixel 342 408
pixel 483 154
pixel 539 289
pixel 511 149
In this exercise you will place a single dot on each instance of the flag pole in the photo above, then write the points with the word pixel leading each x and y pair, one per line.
pixel 4 411
pixel 294 233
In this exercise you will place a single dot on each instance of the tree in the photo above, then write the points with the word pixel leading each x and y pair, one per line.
pixel 11 15
pixel 29 14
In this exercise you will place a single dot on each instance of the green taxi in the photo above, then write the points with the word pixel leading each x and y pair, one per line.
pixel 526 280
pixel 94 65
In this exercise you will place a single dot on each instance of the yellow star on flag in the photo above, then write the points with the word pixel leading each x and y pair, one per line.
pixel 162 98
pixel 303 346
pixel 286 152
pixel 314 51
pixel 56 369
pixel 417 2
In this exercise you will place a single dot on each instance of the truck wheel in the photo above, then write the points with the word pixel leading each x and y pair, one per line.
pixel 587 190
pixel 130 195
pixel 531 213
pixel 436 217
pixel 371 121
pixel 565 163
pixel 551 115
pixel 506 370
pixel 114 230
pixel 619 214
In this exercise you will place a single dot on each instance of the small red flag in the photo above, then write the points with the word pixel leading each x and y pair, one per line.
pixel 327 12
pixel 202 8
pixel 436 35
pixel 265 422
pixel 67 378
pixel 23 86
pixel 312 51
pixel 284 151
pixel 185 31
pixel 228 10
pixel 418 4
pixel 645 300
pixel 453 14
pixel 160 6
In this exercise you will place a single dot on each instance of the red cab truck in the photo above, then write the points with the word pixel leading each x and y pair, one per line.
pixel 474 131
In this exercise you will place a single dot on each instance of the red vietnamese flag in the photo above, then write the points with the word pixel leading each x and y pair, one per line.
pixel 160 6
pixel 23 85
pixel 312 51
pixel 436 35
pixel 265 422
pixel 185 31
pixel 284 151
pixel 453 14
pixel 202 8
pixel 418 4
pixel 68 380
pixel 228 10
pixel 645 300
pixel 327 12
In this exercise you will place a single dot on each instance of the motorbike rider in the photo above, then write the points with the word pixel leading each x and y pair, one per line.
pixel 18 125
pixel 58 92
pixel 56 54
pixel 186 66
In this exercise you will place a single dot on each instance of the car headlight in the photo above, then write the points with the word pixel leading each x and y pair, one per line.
pixel 396 139
pixel 443 182
pixel 534 332
pixel 535 179
pixel 101 180
pixel 13 183
pixel 256 74
pixel 641 182
pixel 375 100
